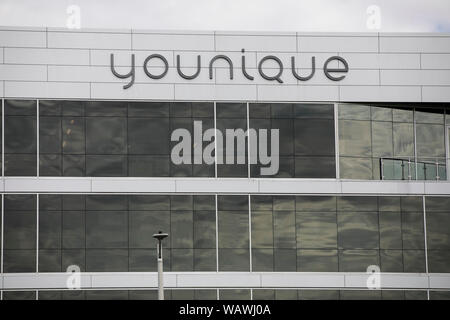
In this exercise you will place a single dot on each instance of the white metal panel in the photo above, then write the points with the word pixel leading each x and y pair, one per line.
pixel 232 92
pixel 249 42
pixel 380 93
pixel 102 57
pixel 388 280
pixel 42 280
pixel 307 186
pixel 437 187
pixel 298 93
pixel 153 41
pixel 383 187
pixel 225 185
pixel 32 89
pixel 325 43
pixel 18 184
pixel 137 91
pixel 415 77
pixel 435 61
pixel 302 280
pixel 17 38
pixel 189 58
pixel 218 279
pixel 436 94
pixel 47 56
pixel 407 43
pixel 439 281
pixel 23 72
pixel 133 185
pixel 89 40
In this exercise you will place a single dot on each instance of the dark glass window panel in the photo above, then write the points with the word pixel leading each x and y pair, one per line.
pixel 239 203
pixel 429 115
pixel 106 202
pixel 355 168
pixel 412 230
pixel 106 166
pixel 19 229
pixel 20 202
pixel 144 260
pixel 71 257
pixel 438 261
pixel 315 167
pixel 354 112
pixel 50 295
pixel 402 115
pixel 50 108
pixel 106 108
pixel 284 229
pixel 50 261
pixel 148 136
pixel 181 109
pixel 19 295
pixel 283 203
pixel 322 260
pixel 323 111
pixel 403 136
pixel 73 202
pixel 285 260
pixel 439 295
pixel 50 229
pixel 181 202
pixel 414 261
pixel 382 145
pixel 392 295
pixel 261 203
pixel 390 230
pixel 74 165
pixel 234 294
pixel 106 295
pixel 357 260
pixel 314 137
pixel 391 260
pixel 106 229
pixel 50 165
pixel 204 202
pixel 259 110
pixel 231 110
pixel 107 260
pixel 205 260
pixel 281 110
pixel 357 203
pixel 358 230
pixel 50 134
pixel 149 202
pixel 182 294
pixel 106 135
pixel 316 230
pixel 234 169
pixel 262 260
pixel 315 203
pixel 149 109
pixel 391 204
pixel 430 139
pixel 438 204
pixel 73 229
pixel 234 260
pixel 262 229
pixel 182 229
pixel 181 170
pixel 144 295
pixel 354 138
pixel 20 107
pixel 143 224
pixel 360 295
pixel 318 294
pixel 438 230
pixel 285 294
pixel 16 261
pixel 233 229
pixel 74 137
pixel 203 109
pixel 20 134
pixel 20 165
pixel 205 294
pixel 50 202
pixel 411 204
pixel 381 114
pixel 203 170
pixel 263 294
pixel 415 295
pixel 204 229
pixel 182 260
pixel 148 166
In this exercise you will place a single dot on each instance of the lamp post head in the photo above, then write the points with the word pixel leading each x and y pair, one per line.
pixel 160 236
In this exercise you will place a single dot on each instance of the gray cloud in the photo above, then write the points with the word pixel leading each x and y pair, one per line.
pixel 246 15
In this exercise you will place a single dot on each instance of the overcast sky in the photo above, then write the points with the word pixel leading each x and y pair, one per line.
pixel 245 15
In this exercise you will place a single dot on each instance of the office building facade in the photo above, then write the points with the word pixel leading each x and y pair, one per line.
pixel 357 207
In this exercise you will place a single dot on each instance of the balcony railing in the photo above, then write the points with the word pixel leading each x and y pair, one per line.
pixel 409 169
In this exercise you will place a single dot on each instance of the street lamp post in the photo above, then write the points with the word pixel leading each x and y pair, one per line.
pixel 160 236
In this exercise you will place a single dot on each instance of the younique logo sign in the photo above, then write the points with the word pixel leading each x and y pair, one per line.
pixel 333 74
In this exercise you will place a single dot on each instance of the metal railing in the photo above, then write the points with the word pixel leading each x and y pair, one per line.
pixel 407 168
